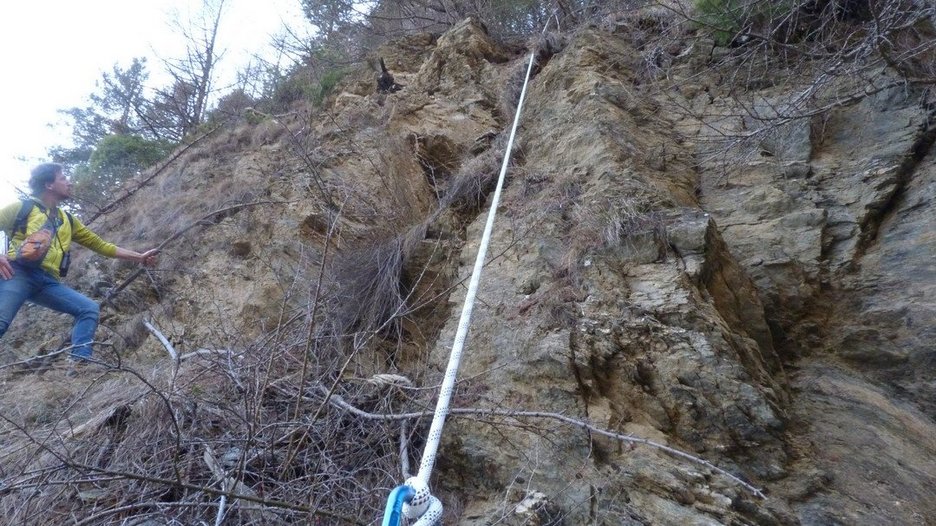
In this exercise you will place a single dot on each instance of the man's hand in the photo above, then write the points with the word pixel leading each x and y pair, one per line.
pixel 6 270
pixel 150 257
pixel 147 258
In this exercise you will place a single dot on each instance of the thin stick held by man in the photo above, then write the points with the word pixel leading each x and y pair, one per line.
pixel 32 267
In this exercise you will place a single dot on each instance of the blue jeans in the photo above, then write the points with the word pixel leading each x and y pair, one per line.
pixel 38 286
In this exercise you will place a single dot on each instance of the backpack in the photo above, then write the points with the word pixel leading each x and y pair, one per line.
pixel 21 222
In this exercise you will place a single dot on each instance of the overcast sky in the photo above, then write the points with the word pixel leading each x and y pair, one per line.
pixel 54 51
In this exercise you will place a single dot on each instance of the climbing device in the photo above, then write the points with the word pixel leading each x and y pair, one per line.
pixel 413 496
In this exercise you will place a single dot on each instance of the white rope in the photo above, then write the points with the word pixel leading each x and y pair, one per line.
pixel 424 506
pixel 448 383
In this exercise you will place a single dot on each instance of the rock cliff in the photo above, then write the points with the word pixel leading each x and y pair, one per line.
pixel 770 311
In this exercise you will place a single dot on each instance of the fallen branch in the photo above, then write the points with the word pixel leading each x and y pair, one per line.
pixel 205 220
pixel 169 348
pixel 162 339
pixel 36 361
pixel 227 484
pixel 339 402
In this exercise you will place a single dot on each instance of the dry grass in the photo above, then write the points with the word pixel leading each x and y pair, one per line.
pixel 543 47
pixel 610 222
pixel 468 188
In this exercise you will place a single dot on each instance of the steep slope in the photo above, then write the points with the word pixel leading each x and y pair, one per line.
pixel 835 230
pixel 773 319
pixel 615 301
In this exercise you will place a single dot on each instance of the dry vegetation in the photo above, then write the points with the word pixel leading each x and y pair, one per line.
pixel 177 438
pixel 787 67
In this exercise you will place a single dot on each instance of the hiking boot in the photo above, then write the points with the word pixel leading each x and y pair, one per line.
pixel 73 364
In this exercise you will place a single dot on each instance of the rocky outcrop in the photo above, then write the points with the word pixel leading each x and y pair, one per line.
pixel 622 296
pixel 836 233
pixel 614 300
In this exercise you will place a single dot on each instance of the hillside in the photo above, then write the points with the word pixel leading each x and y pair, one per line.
pixel 766 305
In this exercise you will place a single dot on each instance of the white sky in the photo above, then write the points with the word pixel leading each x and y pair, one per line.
pixel 52 52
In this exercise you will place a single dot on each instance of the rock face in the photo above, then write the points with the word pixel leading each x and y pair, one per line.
pixel 847 279
pixel 615 301
pixel 774 319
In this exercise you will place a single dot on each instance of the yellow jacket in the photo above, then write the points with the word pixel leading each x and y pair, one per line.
pixel 64 235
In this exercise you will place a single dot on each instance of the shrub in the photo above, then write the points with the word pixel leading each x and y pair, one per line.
pixel 232 105
pixel 727 19
pixel 327 83
pixel 115 159
pixel 287 91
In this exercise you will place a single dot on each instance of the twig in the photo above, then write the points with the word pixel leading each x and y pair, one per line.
pixel 194 487
pixel 204 220
pixel 404 451
pixel 203 352
pixel 178 483
pixel 227 483
pixel 339 402
pixel 96 518
pixel 169 348
pixel 38 358
pixel 291 451
pixel 221 510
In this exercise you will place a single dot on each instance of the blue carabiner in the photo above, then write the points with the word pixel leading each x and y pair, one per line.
pixel 398 496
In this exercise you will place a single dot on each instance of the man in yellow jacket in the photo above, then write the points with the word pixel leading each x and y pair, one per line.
pixel 30 269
